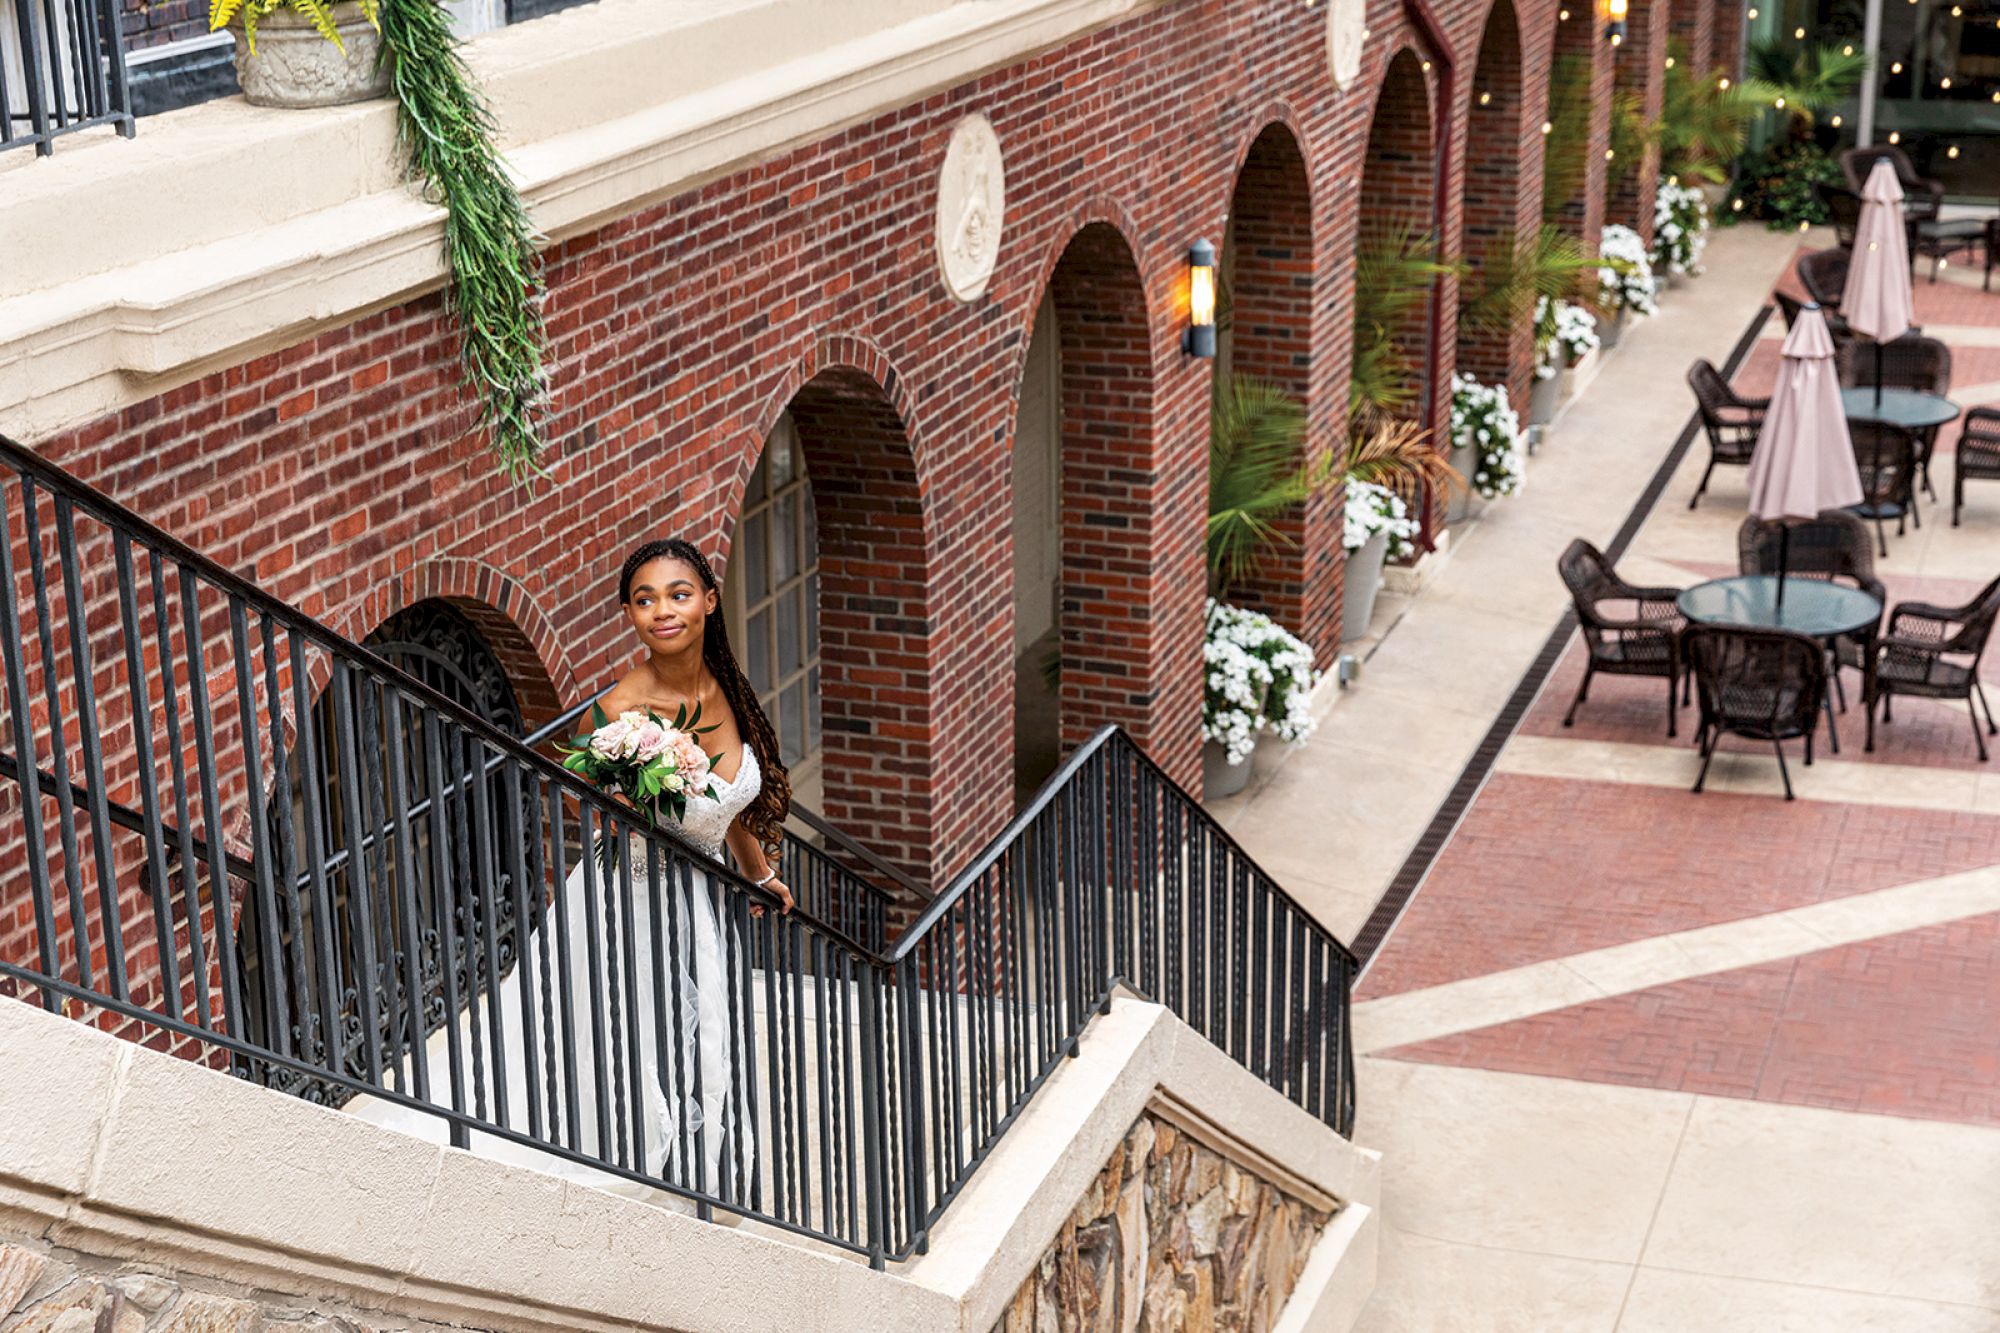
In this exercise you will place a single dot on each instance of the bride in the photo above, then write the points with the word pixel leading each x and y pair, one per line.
pixel 609 1084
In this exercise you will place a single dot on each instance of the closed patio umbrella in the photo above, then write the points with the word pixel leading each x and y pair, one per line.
pixel 1878 301
pixel 1804 459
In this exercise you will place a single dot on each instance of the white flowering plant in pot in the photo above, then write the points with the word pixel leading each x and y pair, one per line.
pixel 1680 227
pixel 1484 421
pixel 1258 677
pixel 1624 272
pixel 1575 332
pixel 1373 509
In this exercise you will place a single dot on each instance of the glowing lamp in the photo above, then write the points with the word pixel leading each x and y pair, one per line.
pixel 1616 12
pixel 1200 337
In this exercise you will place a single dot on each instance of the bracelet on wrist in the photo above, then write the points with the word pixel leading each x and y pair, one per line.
pixel 760 883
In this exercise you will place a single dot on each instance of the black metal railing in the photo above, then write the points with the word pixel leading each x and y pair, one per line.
pixel 248 840
pixel 62 69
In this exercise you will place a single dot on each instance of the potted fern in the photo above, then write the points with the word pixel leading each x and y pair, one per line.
pixel 305 53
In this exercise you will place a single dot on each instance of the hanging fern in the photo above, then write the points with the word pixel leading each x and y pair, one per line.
pixel 489 242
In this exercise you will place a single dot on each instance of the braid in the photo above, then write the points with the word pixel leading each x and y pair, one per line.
pixel 765 817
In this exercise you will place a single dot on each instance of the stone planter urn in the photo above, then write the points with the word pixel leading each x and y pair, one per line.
pixel 1610 329
pixel 1364 580
pixel 1219 777
pixel 1468 503
pixel 296 67
pixel 1546 396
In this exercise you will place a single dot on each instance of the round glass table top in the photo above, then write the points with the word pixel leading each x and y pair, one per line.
pixel 1811 606
pixel 1909 408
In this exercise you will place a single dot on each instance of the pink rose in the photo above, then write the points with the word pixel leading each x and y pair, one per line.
pixel 613 740
pixel 689 760
pixel 649 741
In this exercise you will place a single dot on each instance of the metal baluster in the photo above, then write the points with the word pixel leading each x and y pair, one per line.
pixel 27 759
pixel 628 1071
pixel 597 949
pixel 64 792
pixel 409 878
pixel 566 982
pixel 874 1104
pixel 270 949
pixel 756 1147
pixel 190 867
pixel 794 937
pixel 83 666
pixel 524 926
pixel 222 900
pixel 444 899
pixel 822 1027
pixel 324 922
pixel 487 875
pixel 768 945
pixel 360 891
pixel 678 924
pixel 298 1002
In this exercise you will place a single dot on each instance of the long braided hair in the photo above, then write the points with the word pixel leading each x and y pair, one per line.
pixel 765 817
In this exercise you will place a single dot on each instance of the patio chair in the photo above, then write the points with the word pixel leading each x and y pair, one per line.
pixel 1790 306
pixel 1886 457
pixel 1643 642
pixel 1834 547
pixel 1992 253
pixel 1730 421
pixel 1761 684
pixel 1843 209
pixel 1922 197
pixel 1933 652
pixel 1912 361
pixel 1978 455
pixel 1823 273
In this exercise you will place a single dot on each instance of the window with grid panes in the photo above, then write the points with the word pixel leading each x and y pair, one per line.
pixel 772 599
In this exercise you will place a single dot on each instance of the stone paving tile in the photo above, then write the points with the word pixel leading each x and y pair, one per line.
pixel 1547 867
pixel 1901 1025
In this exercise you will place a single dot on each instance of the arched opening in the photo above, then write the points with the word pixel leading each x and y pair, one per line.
pixel 859 652
pixel 333 929
pixel 1264 334
pixel 1098 535
pixel 1037 529
pixel 1575 134
pixel 1632 174
pixel 1496 346
pixel 771 602
pixel 1396 249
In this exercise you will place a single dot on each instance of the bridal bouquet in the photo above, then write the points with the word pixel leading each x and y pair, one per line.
pixel 655 764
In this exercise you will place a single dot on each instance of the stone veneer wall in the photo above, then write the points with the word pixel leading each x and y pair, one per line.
pixel 45 1289
pixel 1170 1236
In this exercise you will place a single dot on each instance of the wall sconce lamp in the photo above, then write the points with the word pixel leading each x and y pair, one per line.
pixel 1199 340
pixel 1615 11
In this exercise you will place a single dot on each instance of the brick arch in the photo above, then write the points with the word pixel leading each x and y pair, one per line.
pixel 1499 212
pixel 877 578
pixel 1271 285
pixel 506 615
pixel 1399 173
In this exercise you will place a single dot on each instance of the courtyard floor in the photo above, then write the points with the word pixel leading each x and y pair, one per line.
pixel 1640 1059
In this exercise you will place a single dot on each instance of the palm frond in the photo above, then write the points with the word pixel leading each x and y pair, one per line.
pixel 1803 82
pixel 1393 273
pixel 1387 451
pixel 1566 147
pixel 1513 275
pixel 1257 470
pixel 1702 122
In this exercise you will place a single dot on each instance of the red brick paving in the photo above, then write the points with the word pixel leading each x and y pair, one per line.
pixel 1547 867
pixel 1902 1025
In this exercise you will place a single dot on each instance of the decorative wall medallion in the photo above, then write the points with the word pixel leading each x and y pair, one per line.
pixel 972 203
pixel 1346 32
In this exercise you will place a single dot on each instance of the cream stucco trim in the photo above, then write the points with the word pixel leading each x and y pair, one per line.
pixel 115 1150
pixel 301 220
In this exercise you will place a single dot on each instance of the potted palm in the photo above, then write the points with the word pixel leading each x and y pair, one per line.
pixel 305 53
pixel 1390 466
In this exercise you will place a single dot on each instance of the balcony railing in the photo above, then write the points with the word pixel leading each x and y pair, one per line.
pixel 62 69
pixel 380 900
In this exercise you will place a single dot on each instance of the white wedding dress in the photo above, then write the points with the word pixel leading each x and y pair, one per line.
pixel 669 1104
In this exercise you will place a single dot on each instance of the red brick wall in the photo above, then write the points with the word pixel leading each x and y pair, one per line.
pixel 1726 48
pixel 1581 37
pixel 1693 27
pixel 336 471
pixel 1498 210
pixel 1641 68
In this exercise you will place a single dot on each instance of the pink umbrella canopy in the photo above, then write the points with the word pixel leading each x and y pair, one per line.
pixel 1877 301
pixel 1804 459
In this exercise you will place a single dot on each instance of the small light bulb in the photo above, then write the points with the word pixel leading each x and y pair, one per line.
pixel 1673 180
pixel 1895 136
pixel 1722 83
pixel 1548 127
pixel 1617 39
pixel 1943 262
pixel 1951 151
pixel 1427 67
pixel 1847 50
pixel 1836 122
pixel 1737 205
pixel 1873 246
pixel 1945 82
pixel 1958 11
pixel 1996 99
pixel 1779 103
pixel 1486 99
pixel 1799 34
pixel 1896 68
pixel 1562 16
pixel 1803 225
pixel 1670 62
pixel 1610 153
pixel 1753 11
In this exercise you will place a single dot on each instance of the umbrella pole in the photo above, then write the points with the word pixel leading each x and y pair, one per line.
pixel 1784 561
pixel 1878 373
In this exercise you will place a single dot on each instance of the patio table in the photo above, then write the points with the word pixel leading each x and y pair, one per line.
pixel 1912 409
pixel 1813 607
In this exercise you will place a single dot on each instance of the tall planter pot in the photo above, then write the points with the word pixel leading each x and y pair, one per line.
pixel 1546 396
pixel 1362 582
pixel 1610 330
pixel 1219 777
pixel 1469 502
pixel 295 67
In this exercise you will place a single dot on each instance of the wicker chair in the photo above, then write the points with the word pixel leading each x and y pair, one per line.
pixel 1933 652
pixel 1922 197
pixel 1791 307
pixel 1645 642
pixel 1763 684
pixel 1912 361
pixel 1843 209
pixel 1731 421
pixel 1833 547
pixel 1886 457
pixel 1978 456
pixel 1823 273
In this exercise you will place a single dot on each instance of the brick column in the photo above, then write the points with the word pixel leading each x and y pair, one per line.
pixel 1640 61
pixel 1498 215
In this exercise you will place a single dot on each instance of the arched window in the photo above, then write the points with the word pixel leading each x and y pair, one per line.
pixel 771 597
pixel 311 823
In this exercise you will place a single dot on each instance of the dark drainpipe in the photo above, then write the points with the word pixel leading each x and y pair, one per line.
pixel 1447 101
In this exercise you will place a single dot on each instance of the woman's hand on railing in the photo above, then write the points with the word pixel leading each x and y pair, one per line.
pixel 784 893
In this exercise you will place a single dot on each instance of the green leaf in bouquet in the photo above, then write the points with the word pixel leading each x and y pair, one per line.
pixel 597 718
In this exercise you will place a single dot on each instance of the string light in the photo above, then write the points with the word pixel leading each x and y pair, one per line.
pixel 1799 34
pixel 1486 99
pixel 1895 136
pixel 1958 11
pixel 1951 151
pixel 1737 206
pixel 1610 153
pixel 1804 225
pixel 1836 122
pixel 1779 103
pixel 1427 67
pixel 1945 82
pixel 1722 84
pixel 1896 68
pixel 1670 62
pixel 1996 99
pixel 1847 50
pixel 1548 127
pixel 1562 16
pixel 1753 11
